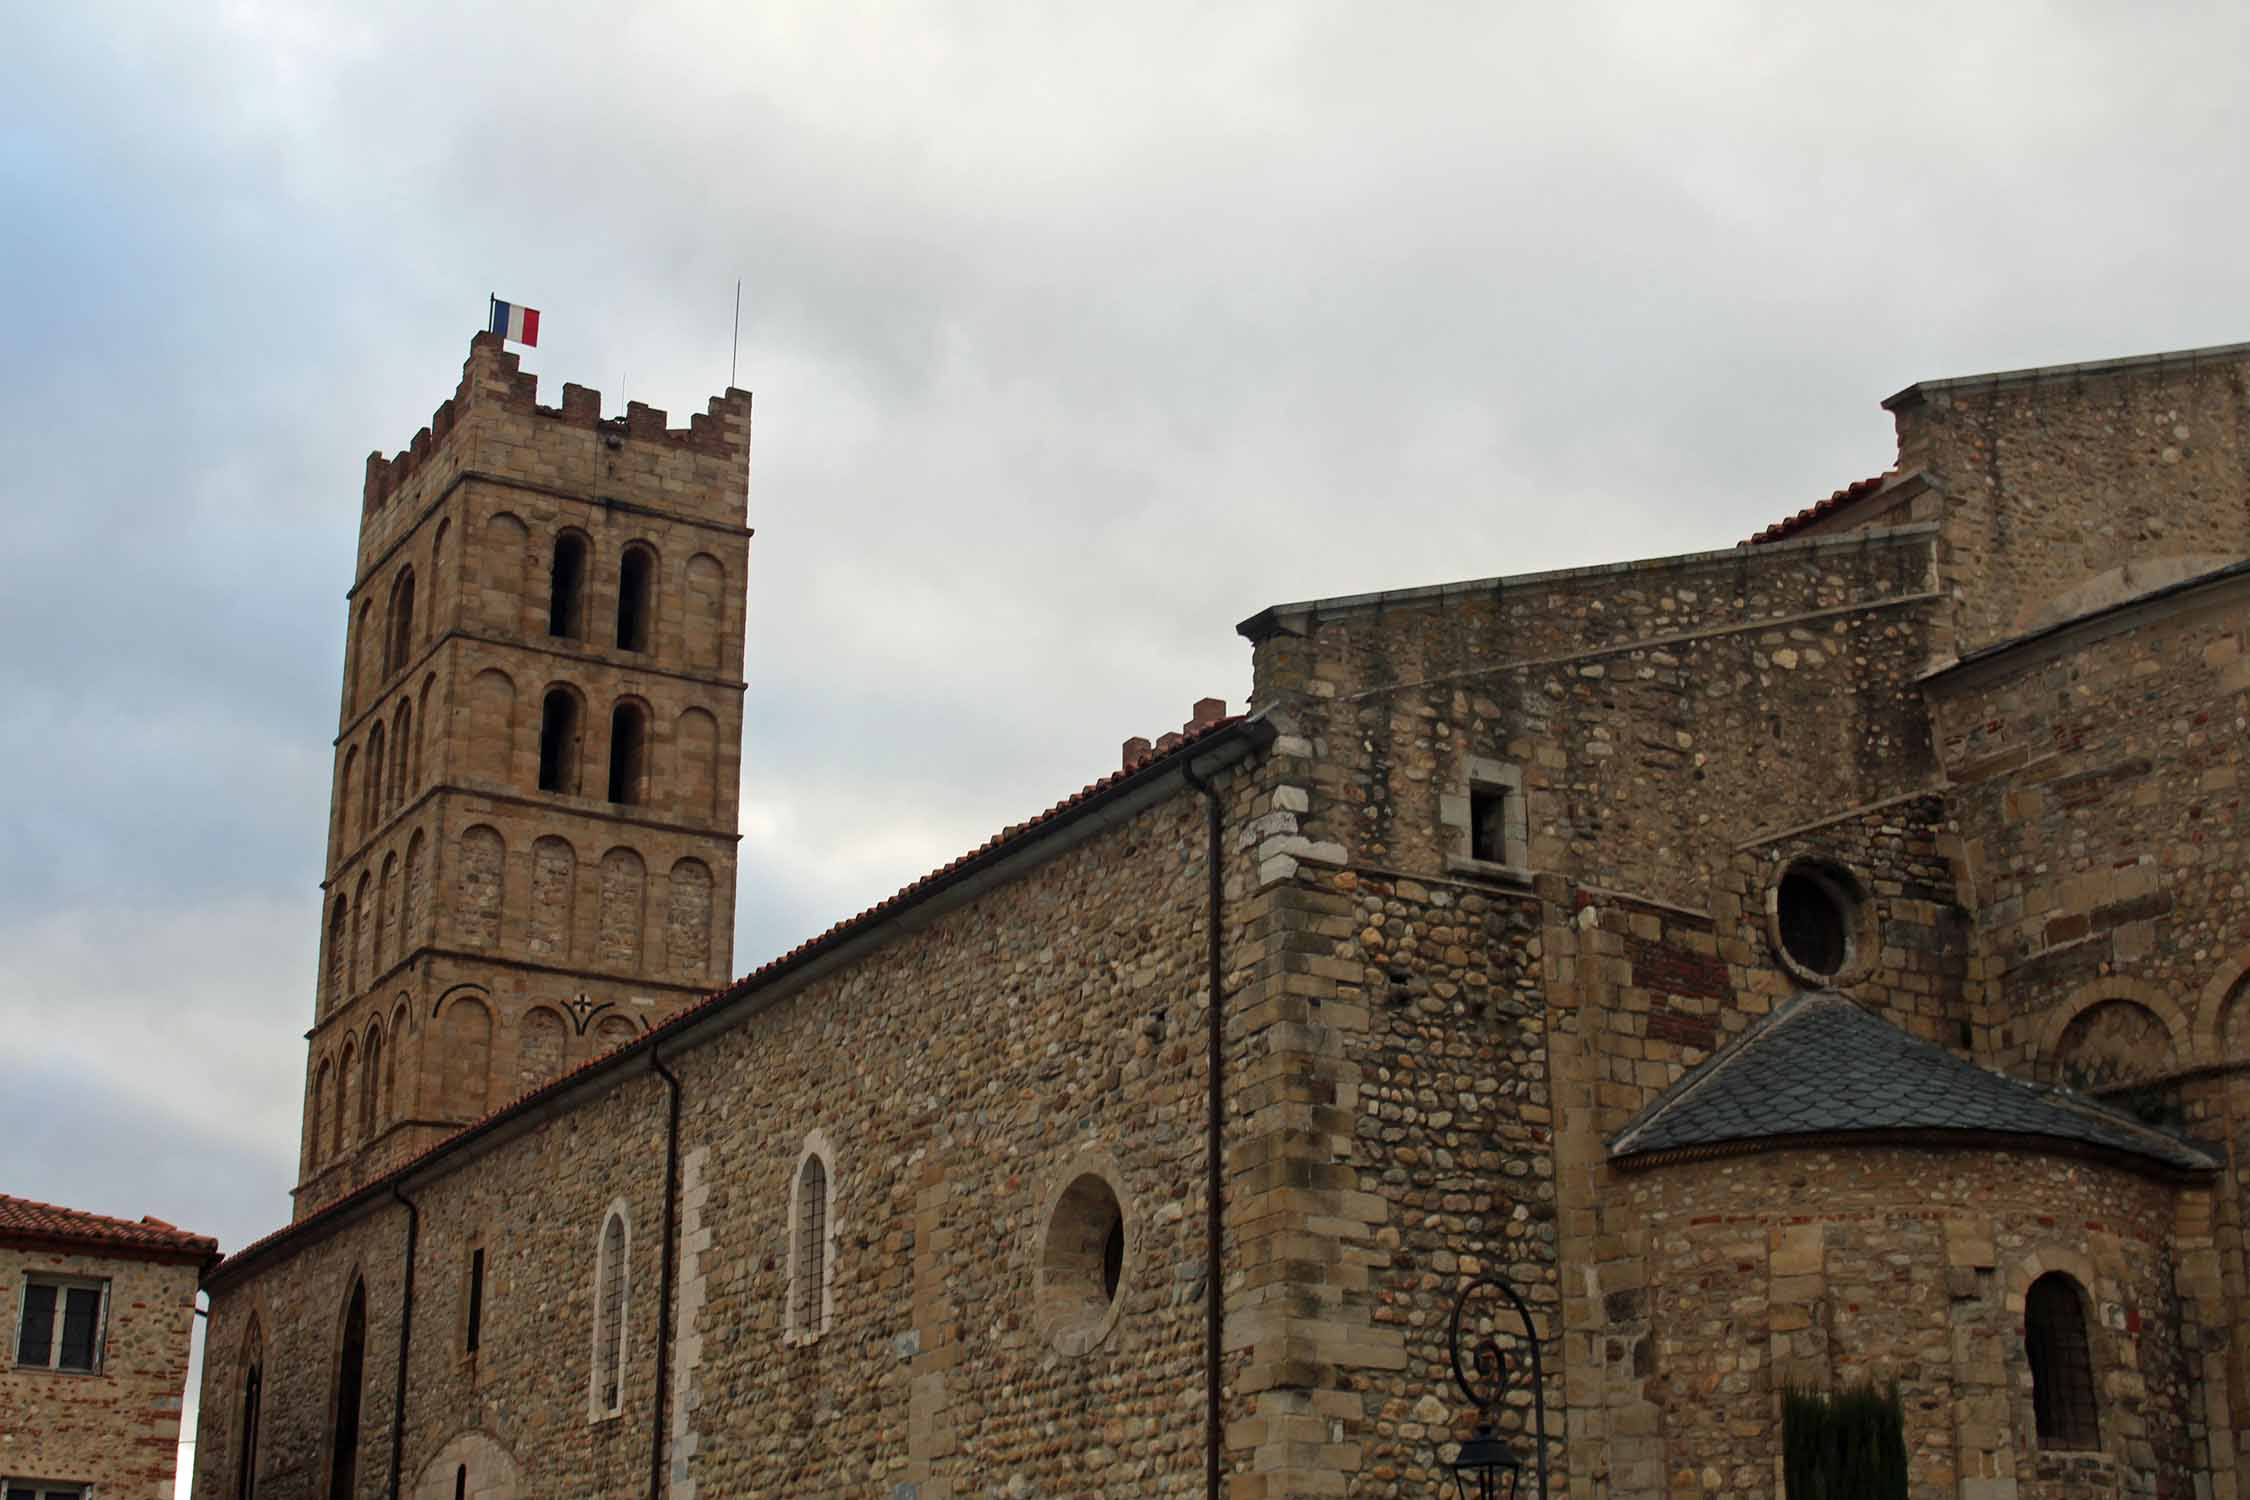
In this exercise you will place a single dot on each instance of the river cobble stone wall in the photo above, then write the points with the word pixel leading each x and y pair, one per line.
pixel 959 1080
pixel 1829 1267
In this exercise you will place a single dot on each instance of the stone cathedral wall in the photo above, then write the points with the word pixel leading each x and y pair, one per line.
pixel 956 1081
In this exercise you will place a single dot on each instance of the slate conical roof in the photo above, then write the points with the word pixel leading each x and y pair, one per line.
pixel 1820 1065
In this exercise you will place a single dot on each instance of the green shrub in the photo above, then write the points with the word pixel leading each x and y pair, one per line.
pixel 1846 1446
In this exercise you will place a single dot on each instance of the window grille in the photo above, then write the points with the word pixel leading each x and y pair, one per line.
pixel 812 1244
pixel 609 1324
pixel 2062 1366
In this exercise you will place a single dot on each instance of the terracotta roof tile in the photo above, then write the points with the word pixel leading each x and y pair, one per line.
pixel 1791 525
pixel 22 1218
pixel 1006 838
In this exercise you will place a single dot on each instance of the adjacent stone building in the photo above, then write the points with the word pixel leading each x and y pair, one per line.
pixel 1806 961
pixel 99 1313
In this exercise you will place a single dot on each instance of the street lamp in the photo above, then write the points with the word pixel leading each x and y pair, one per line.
pixel 1485 1468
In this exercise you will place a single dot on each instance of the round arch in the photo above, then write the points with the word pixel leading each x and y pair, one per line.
pixel 2211 1007
pixel 2152 998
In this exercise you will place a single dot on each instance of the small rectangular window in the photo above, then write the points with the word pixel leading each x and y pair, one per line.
pixel 1488 823
pixel 476 1298
pixel 62 1324
pixel 38 1326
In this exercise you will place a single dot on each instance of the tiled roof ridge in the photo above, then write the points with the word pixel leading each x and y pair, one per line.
pixel 1918 1089
pixel 1850 494
pixel 1718 1064
pixel 54 1221
pixel 1008 837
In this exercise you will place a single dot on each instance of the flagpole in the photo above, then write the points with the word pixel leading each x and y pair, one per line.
pixel 735 358
pixel 491 301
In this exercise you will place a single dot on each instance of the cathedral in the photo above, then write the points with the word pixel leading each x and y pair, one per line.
pixel 1817 961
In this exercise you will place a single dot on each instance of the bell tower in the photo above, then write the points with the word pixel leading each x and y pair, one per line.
pixel 532 832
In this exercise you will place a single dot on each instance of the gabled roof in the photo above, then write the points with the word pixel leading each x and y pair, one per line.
pixel 24 1221
pixel 1821 1066
pixel 1250 732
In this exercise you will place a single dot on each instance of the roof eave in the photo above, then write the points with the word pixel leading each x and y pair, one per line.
pixel 2169 360
pixel 1927 1138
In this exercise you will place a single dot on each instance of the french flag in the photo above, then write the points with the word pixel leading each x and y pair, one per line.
pixel 515 322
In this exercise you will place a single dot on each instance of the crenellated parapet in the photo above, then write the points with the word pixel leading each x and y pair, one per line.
pixel 494 421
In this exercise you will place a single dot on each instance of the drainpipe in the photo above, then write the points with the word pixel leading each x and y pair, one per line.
pixel 405 1337
pixel 1214 1327
pixel 664 1275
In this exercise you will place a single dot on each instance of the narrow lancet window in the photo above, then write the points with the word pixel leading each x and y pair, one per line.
pixel 636 580
pixel 610 1288
pixel 628 754
pixel 566 588
pixel 812 1245
pixel 343 1451
pixel 558 742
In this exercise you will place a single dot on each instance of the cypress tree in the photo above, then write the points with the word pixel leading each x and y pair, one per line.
pixel 1847 1446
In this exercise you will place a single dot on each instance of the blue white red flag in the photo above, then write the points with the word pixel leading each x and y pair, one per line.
pixel 515 322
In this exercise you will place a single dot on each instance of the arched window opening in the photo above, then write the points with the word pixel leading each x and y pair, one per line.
pixel 636 578
pixel 339 949
pixel 558 742
pixel 358 656
pixel 343 1451
pixel 371 805
pixel 347 1098
pixel 399 639
pixel 347 801
pixel 812 1245
pixel 610 1288
pixel 566 588
pixel 402 753
pixel 362 898
pixel 321 1105
pixel 437 565
pixel 370 1109
pixel 246 1431
pixel 628 753
pixel 421 731
pixel 2062 1365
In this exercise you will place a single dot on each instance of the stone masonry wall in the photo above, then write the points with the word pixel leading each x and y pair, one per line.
pixel 1452 1133
pixel 2066 493
pixel 1657 712
pixel 1829 1267
pixel 959 1078
pixel 2095 786
pixel 2095 789
pixel 1911 955
pixel 117 1430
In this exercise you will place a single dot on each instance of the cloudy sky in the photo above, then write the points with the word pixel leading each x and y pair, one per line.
pixel 1078 333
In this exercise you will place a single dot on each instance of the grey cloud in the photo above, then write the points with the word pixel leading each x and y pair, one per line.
pixel 1078 334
